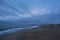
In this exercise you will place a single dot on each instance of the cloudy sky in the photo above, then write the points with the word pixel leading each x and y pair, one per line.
pixel 34 11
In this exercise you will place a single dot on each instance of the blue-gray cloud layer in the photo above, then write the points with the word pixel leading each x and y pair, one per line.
pixel 35 11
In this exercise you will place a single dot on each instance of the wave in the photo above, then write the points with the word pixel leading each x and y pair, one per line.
pixel 14 30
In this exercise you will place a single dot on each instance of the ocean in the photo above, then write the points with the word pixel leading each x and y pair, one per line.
pixel 13 30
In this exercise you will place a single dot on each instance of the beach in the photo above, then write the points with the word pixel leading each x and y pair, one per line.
pixel 43 32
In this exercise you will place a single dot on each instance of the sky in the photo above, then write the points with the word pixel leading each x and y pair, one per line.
pixel 30 11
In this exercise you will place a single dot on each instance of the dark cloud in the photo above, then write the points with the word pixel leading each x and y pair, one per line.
pixel 30 11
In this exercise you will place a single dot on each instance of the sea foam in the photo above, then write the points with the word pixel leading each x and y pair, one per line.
pixel 14 30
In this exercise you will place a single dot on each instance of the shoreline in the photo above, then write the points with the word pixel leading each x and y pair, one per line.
pixel 53 33
pixel 14 30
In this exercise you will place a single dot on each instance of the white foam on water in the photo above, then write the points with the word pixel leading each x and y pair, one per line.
pixel 14 30
pixel 10 31
pixel 31 27
pixel 34 26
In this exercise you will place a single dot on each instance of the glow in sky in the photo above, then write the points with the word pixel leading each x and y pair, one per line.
pixel 39 12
